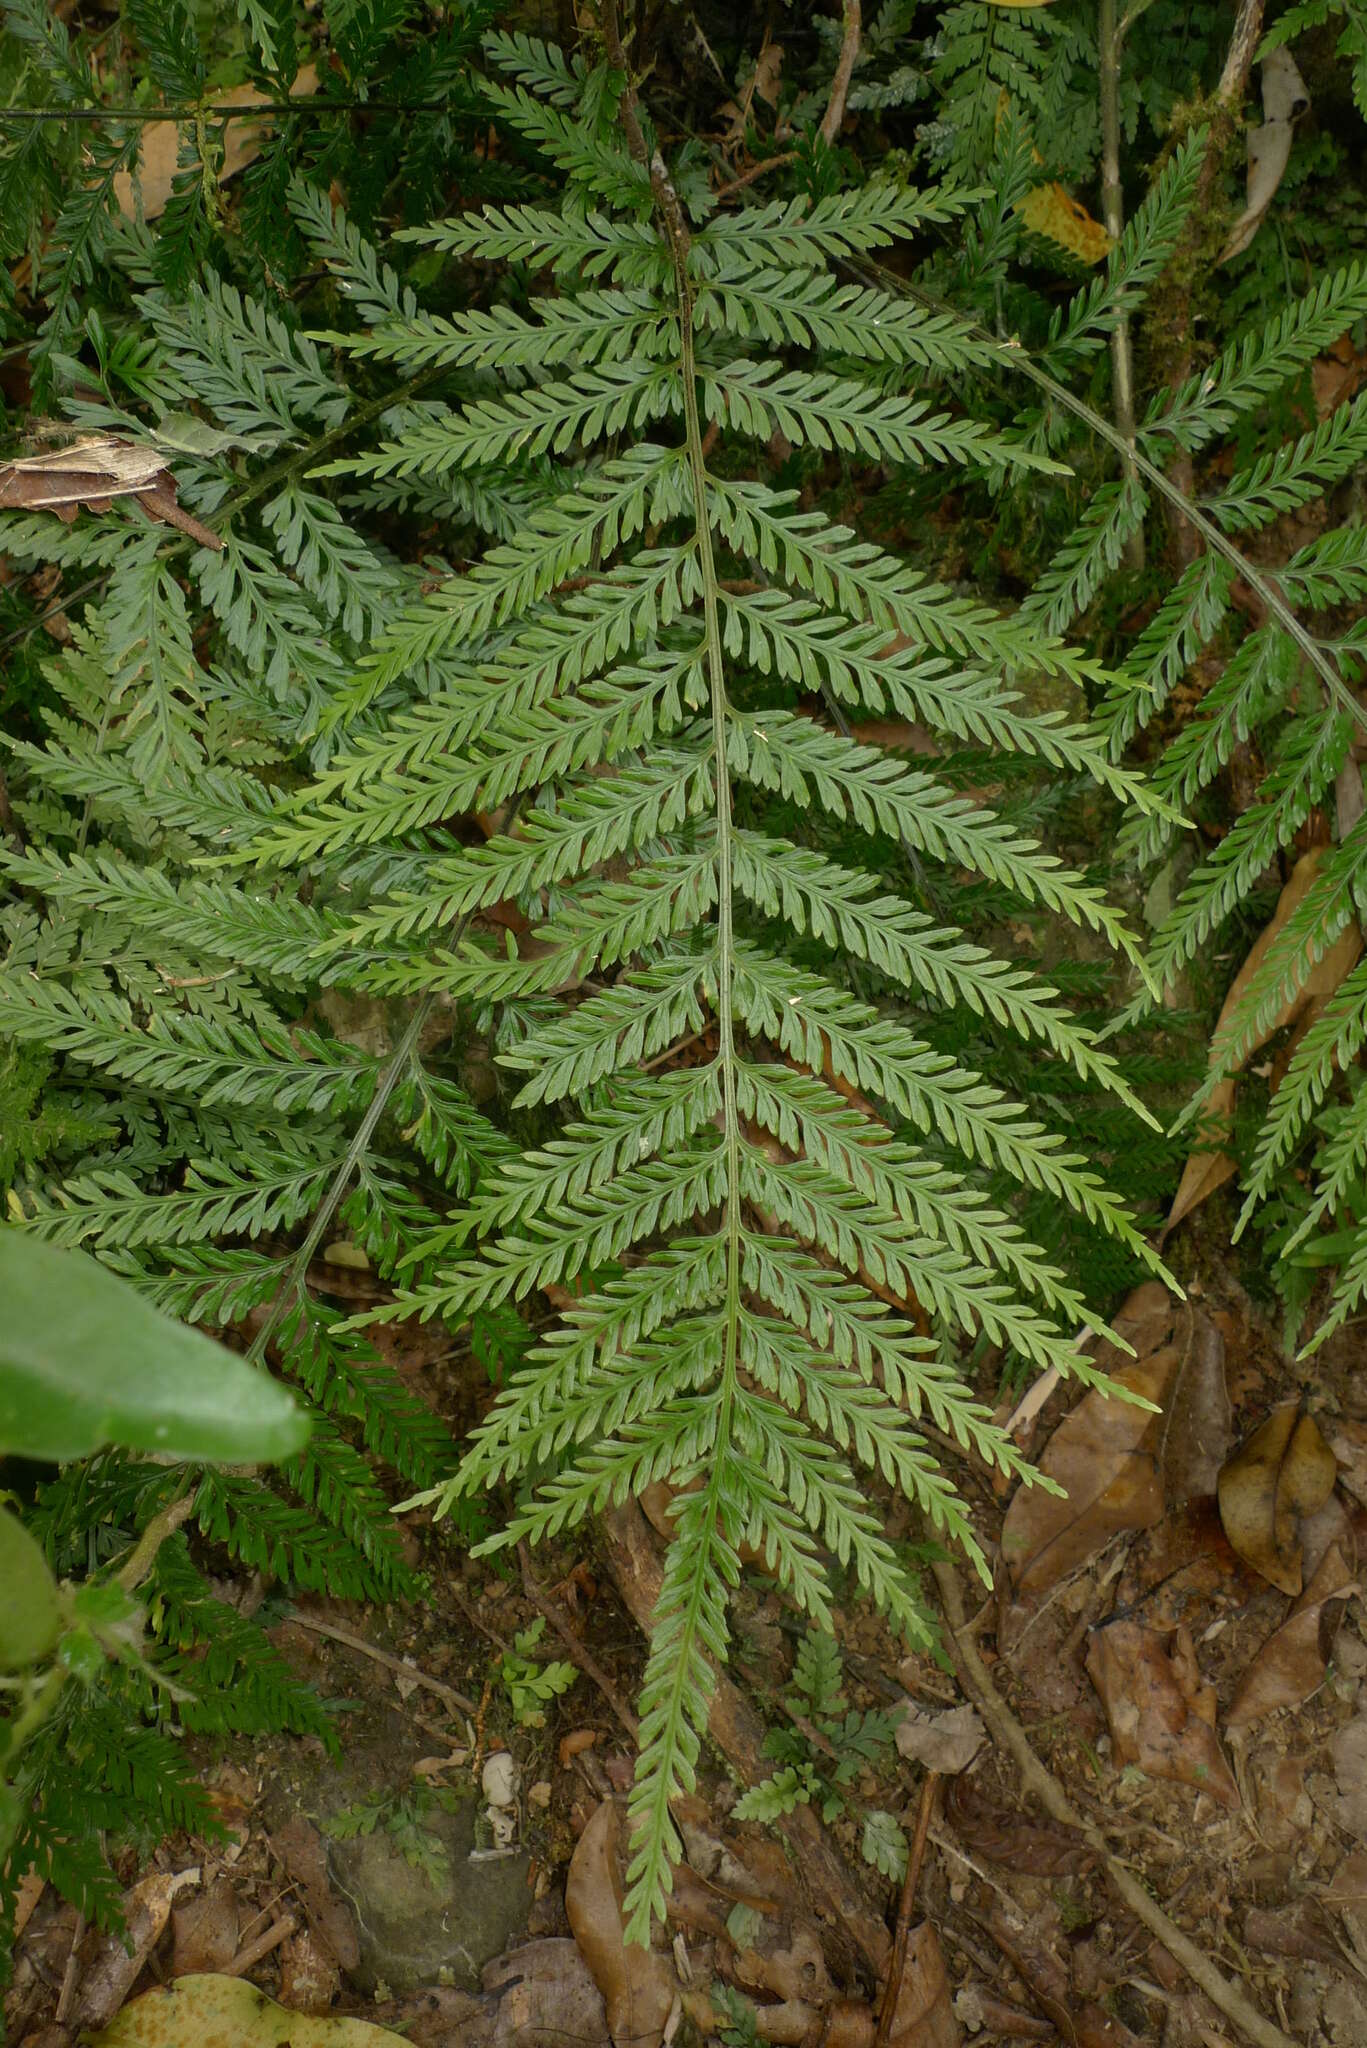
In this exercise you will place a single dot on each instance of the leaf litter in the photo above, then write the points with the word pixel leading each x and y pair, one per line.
pixel 1191 1670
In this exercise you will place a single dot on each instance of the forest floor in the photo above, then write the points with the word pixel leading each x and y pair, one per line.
pixel 456 1874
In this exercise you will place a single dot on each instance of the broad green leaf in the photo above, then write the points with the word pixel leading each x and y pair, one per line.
pixel 84 1361
pixel 30 1617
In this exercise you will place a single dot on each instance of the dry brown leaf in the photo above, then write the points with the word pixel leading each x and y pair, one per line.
pixel 1291 1664
pixel 637 1985
pixel 1208 1168
pixel 946 1743
pixel 1035 1848
pixel 159 151
pixel 1118 1463
pixel 768 72
pixel 1349 1445
pixel 1193 1434
pixel 205 1931
pixel 1284 1472
pixel 548 1995
pixel 116 1964
pixel 31 1888
pixel 301 1850
pixel 924 2016
pixel 787 1963
pixel 1161 1714
pixel 93 471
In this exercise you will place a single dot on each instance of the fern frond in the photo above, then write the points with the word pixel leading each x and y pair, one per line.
pixel 1254 370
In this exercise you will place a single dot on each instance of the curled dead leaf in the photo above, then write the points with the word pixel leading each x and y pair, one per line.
pixel 1120 1464
pixel 946 1743
pixel 205 1932
pixel 1284 1472
pixel 1292 1662
pixel 1285 99
pixel 93 470
pixel 924 2015
pixel 636 1984
pixel 1161 1714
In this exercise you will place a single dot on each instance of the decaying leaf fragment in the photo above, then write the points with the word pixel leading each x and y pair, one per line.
pixel 1291 1664
pixel 924 2017
pixel 1119 1463
pixel 1051 211
pixel 1284 1472
pixel 1285 100
pixel 1161 1714
pixel 93 471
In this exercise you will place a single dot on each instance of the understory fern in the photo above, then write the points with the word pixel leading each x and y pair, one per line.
pixel 305 814
pixel 741 1245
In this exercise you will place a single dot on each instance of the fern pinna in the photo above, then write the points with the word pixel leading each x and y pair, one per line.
pixel 664 639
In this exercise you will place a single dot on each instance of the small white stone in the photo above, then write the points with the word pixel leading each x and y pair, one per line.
pixel 500 1779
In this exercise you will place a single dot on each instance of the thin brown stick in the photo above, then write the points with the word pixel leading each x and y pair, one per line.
pixel 768 163
pixel 1035 1777
pixel 893 1991
pixel 580 1654
pixel 1109 43
pixel 247 1958
pixel 834 115
pixel 66 1997
pixel 455 1700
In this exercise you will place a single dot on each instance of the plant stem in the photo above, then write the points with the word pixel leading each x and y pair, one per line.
pixel 1113 213
pixel 844 72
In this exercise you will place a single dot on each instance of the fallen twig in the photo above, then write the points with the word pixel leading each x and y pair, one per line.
pixel 1035 1777
pixel 410 1671
pixel 247 1958
pixel 582 1656
pixel 893 1990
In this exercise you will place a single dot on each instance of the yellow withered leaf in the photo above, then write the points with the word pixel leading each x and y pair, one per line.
pixel 1055 214
pixel 223 2012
